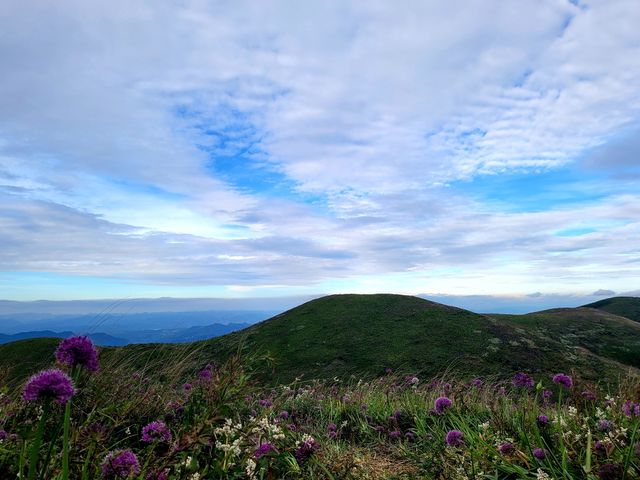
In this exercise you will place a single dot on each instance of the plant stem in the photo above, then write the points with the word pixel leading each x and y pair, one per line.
pixel 37 443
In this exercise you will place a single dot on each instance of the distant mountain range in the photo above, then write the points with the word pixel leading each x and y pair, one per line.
pixel 360 336
pixel 126 337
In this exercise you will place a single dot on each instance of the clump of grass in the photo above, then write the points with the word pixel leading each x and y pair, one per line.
pixel 168 421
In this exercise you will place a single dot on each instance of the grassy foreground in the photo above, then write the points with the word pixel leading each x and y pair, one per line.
pixel 217 423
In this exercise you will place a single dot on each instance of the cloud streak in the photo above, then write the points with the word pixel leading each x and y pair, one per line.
pixel 320 147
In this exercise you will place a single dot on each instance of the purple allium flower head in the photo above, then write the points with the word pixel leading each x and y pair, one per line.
pixel 305 449
pixel 78 352
pixel 539 453
pixel 332 427
pixel 158 475
pixel 588 395
pixel 187 387
pixel 50 384
pixel 333 434
pixel 562 379
pixel 605 425
pixel 441 404
pixel 265 402
pixel 3 435
pixel 454 438
pixel 522 380
pixel 506 448
pixel 547 394
pixel 477 382
pixel 631 409
pixel 120 464
pixel 264 449
pixel 156 432
pixel 414 381
pixel 283 414
pixel 610 471
pixel 395 434
pixel 409 436
pixel 543 420
pixel 599 446
pixel 206 373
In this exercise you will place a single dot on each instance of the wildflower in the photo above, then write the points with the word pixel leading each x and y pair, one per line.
pixel 78 352
pixel 332 427
pixel 441 404
pixel 477 382
pixel 158 475
pixel 305 448
pixel 588 395
pixel 522 380
pixel 3 435
pixel 506 448
pixel 542 475
pixel 395 434
pixel 604 425
pixel 250 468
pixel 120 464
pixel 283 415
pixel 265 403
pixel 50 384
pixel 205 373
pixel 156 432
pixel 263 450
pixel 610 471
pixel 410 437
pixel 413 381
pixel 454 438
pixel 187 387
pixel 631 409
pixel 547 394
pixel 539 453
pixel 562 379
pixel 543 420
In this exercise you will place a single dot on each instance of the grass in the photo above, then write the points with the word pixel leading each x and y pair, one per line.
pixel 628 307
pixel 384 427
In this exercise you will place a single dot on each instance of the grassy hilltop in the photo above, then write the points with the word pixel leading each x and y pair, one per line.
pixel 362 335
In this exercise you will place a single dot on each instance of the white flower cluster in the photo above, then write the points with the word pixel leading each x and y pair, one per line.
pixel 267 429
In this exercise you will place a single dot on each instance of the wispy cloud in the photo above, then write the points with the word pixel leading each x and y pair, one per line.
pixel 333 146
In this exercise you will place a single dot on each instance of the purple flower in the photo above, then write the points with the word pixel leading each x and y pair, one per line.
pixel 547 394
pixel 562 379
pixel 588 395
pixel 333 435
pixel 522 380
pixel 332 427
pixel 599 446
pixel 543 420
pixel 264 449
pixel 187 387
pixel 265 403
pixel 395 434
pixel 3 435
pixel 506 448
pixel 610 471
pixel 539 453
pixel 156 432
pixel 206 372
pixel 631 409
pixel 305 449
pixel 50 384
pixel 120 464
pixel 605 425
pixel 454 438
pixel 284 414
pixel 477 382
pixel 441 404
pixel 159 475
pixel 78 352
pixel 409 436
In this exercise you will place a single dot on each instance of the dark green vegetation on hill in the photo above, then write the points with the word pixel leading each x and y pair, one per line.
pixel 624 306
pixel 361 335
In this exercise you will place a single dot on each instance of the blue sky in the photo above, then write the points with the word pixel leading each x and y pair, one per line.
pixel 278 148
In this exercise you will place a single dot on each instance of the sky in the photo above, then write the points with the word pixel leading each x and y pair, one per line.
pixel 236 149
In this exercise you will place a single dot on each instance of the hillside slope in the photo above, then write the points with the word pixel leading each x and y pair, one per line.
pixel 362 335
pixel 628 307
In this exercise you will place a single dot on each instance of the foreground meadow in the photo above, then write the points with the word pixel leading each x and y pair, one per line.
pixel 83 420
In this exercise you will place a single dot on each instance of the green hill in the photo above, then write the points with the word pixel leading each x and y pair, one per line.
pixel 362 335
pixel 624 306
